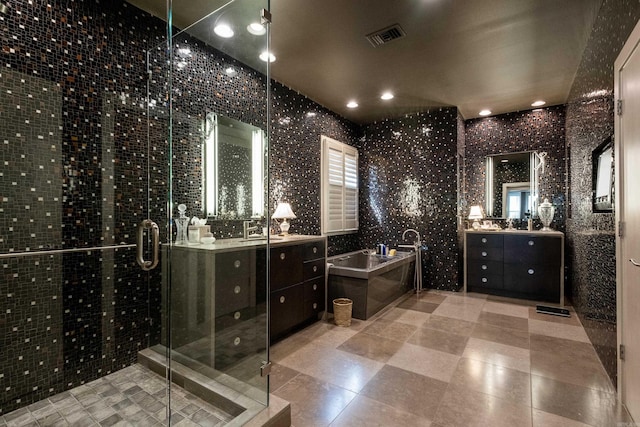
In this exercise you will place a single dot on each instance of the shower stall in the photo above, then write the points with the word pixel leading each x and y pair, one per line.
pixel 110 118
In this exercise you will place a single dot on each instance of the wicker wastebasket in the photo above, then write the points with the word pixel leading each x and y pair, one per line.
pixel 342 311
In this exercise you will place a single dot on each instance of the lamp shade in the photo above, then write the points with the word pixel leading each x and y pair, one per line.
pixel 476 212
pixel 283 211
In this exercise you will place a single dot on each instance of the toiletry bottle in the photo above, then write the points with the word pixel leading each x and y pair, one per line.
pixel 530 224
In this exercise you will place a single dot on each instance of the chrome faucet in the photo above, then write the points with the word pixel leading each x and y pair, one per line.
pixel 417 247
pixel 247 228
pixel 414 231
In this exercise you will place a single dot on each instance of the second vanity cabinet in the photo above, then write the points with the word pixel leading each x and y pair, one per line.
pixel 297 285
pixel 520 264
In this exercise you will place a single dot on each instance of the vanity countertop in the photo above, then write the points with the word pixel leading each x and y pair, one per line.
pixel 525 232
pixel 225 245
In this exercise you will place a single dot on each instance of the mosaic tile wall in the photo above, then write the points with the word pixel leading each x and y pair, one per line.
pixel 534 130
pixel 73 83
pixel 590 242
pixel 296 126
pixel 413 188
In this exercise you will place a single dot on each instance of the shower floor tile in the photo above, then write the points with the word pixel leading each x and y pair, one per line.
pixel 133 396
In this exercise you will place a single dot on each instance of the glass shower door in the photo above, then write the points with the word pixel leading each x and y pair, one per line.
pixel 208 117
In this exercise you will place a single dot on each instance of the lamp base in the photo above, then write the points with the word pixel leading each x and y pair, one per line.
pixel 475 225
pixel 284 227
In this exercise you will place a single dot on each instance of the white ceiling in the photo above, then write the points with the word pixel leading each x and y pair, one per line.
pixel 499 55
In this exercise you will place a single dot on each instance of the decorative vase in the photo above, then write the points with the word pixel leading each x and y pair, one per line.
pixel 182 223
pixel 546 212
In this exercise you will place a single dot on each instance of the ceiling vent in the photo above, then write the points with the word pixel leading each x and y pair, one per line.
pixel 385 35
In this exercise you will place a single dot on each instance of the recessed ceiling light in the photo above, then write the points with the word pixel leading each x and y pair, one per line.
pixel 223 30
pixel 505 160
pixel 485 112
pixel 352 104
pixel 386 96
pixel 231 72
pixel 538 103
pixel 256 28
pixel 267 55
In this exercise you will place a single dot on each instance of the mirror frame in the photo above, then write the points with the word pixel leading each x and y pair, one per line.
pixel 602 176
pixel 536 165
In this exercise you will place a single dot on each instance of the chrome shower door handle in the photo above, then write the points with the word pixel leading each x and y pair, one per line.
pixel 634 262
pixel 155 243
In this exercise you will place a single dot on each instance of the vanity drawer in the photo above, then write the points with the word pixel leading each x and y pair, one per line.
pixel 235 344
pixel 485 240
pixel 313 250
pixel 234 318
pixel 232 294
pixel 532 250
pixel 484 254
pixel 286 309
pixel 484 280
pixel 286 266
pixel 314 289
pixel 484 267
pixel 537 281
pixel 312 308
pixel 233 264
pixel 314 268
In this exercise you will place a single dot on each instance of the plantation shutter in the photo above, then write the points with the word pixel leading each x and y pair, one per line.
pixel 339 187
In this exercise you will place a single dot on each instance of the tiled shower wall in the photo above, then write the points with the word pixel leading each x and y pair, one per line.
pixel 536 130
pixel 591 236
pixel 72 140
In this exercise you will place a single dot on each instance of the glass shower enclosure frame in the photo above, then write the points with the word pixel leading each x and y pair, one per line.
pixel 213 339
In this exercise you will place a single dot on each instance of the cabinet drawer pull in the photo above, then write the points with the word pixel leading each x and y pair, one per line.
pixel 237 263
pixel 236 315
pixel 282 300
pixel 315 250
pixel 282 256
pixel 236 290
pixel 315 305
pixel 531 243
pixel 484 253
pixel 484 280
pixel 484 240
pixel 530 271
pixel 236 341
pixel 315 268
pixel 315 287
pixel 484 267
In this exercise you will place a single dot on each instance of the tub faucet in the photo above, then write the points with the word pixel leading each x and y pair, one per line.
pixel 417 278
pixel 414 231
pixel 247 228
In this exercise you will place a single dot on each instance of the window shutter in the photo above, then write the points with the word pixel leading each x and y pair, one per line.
pixel 339 187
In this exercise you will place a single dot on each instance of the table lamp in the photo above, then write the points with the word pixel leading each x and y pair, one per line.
pixel 284 212
pixel 476 213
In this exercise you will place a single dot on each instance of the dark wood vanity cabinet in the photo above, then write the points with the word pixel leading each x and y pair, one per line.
pixel 516 264
pixel 297 285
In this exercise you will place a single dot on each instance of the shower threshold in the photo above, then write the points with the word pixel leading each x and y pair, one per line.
pixel 219 390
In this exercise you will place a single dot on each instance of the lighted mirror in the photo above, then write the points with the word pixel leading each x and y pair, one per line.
pixel 234 168
pixel 602 159
pixel 511 187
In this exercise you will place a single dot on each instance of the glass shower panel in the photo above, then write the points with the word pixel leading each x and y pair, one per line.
pixel 215 292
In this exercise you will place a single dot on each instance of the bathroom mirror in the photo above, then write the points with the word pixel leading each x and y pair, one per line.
pixel 511 186
pixel 234 167
pixel 602 182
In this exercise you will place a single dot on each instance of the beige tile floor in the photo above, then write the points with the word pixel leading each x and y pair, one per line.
pixel 446 359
